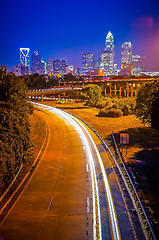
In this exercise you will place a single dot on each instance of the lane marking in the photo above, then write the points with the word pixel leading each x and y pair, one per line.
pixel 50 204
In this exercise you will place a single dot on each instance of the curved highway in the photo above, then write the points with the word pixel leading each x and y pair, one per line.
pixel 68 196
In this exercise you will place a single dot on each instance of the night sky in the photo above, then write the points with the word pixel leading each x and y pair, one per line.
pixel 65 29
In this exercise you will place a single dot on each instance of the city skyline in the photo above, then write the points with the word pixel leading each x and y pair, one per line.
pixel 61 31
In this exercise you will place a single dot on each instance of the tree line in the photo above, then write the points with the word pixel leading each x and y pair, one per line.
pixel 37 81
pixel 15 139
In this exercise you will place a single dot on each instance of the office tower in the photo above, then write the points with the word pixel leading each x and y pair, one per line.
pixel 107 56
pixel 109 49
pixel 143 64
pixel 49 66
pixel 69 69
pixel 136 64
pixel 43 66
pixel 126 54
pixel 87 62
pixel 103 62
pixel 97 64
pixel 59 66
pixel 126 70
pixel 36 63
pixel 20 70
pixel 115 69
pixel 24 57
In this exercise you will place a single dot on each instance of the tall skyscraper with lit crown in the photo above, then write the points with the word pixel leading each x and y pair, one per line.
pixel 24 57
pixel 107 56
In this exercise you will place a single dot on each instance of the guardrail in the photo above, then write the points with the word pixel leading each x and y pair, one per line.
pixel 133 191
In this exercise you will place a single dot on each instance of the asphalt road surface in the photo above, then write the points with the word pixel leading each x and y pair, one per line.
pixel 67 196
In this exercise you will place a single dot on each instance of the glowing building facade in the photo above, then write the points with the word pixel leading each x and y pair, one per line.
pixel 24 57
pixel 87 62
pixel 126 55
pixel 59 66
pixel 49 66
pixel 36 63
pixel 136 64
pixel 143 64
pixel 107 56
pixel 43 66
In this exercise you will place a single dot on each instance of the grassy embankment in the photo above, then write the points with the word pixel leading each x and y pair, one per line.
pixel 142 157
pixel 38 133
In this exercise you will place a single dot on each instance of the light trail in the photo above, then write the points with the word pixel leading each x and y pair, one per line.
pixel 97 230
pixel 114 221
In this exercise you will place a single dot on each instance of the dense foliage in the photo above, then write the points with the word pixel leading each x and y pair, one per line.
pixel 14 127
pixel 92 93
pixel 123 107
pixel 155 112
pixel 147 109
pixel 37 81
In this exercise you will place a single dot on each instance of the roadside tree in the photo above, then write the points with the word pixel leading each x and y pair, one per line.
pixel 92 93
pixel 146 105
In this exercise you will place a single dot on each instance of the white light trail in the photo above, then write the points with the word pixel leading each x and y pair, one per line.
pixel 114 222
pixel 87 167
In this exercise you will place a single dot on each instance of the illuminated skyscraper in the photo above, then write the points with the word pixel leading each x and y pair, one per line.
pixel 136 64
pixel 43 66
pixel 103 62
pixel 143 64
pixel 59 66
pixel 87 62
pixel 24 56
pixel 49 66
pixel 126 55
pixel 20 70
pixel 36 63
pixel 107 56
pixel 69 69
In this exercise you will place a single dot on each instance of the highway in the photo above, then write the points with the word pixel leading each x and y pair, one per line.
pixel 69 195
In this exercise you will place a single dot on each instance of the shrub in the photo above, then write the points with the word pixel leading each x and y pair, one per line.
pixel 113 113
pixel 108 101
pixel 127 106
pixel 100 105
